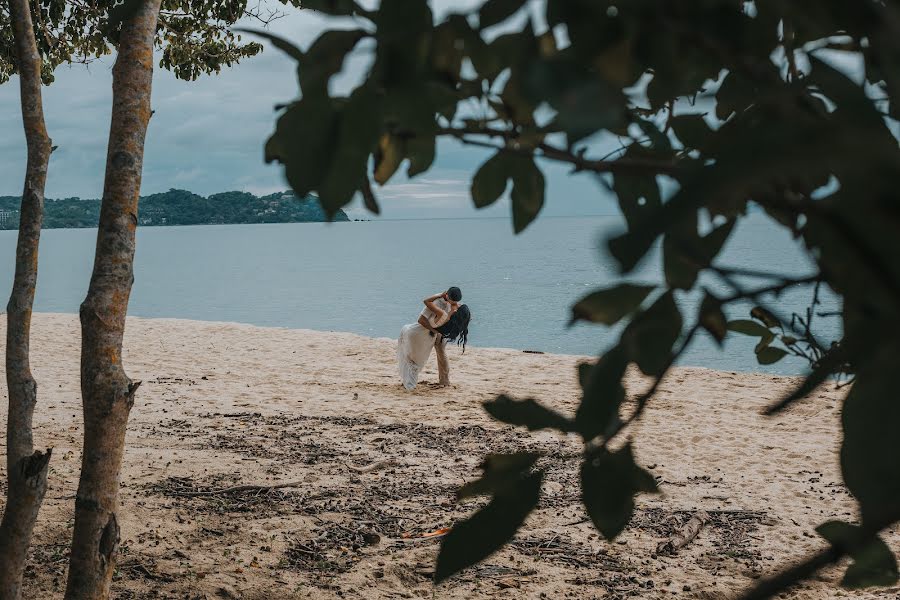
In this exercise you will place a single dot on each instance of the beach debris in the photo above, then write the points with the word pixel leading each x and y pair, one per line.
pixel 375 466
pixel 685 535
pixel 438 533
pixel 253 488
pixel 336 549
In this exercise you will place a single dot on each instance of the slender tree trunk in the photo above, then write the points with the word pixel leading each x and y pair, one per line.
pixel 27 469
pixel 107 392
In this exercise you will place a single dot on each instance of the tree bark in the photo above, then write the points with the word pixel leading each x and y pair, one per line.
pixel 107 392
pixel 26 468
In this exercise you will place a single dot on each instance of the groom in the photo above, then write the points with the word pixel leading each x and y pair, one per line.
pixel 449 301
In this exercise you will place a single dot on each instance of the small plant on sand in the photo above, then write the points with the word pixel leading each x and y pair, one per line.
pixel 718 108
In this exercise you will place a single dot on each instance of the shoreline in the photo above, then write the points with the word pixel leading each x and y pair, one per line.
pixel 233 404
pixel 533 352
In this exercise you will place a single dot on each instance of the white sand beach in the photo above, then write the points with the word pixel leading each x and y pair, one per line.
pixel 225 404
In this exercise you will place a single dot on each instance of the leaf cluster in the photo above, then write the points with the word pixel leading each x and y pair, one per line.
pixel 738 105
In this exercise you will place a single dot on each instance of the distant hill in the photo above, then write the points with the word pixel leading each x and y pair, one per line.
pixel 179 207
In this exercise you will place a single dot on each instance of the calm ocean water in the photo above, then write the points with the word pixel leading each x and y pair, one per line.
pixel 369 278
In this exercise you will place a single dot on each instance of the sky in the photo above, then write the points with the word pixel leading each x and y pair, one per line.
pixel 207 136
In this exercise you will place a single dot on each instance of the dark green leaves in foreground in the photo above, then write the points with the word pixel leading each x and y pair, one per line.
pixel 767 328
pixel 602 394
pixel 712 318
pixel 515 490
pixel 610 305
pixel 649 337
pixel 527 196
pixel 873 562
pixel 609 482
pixel 870 453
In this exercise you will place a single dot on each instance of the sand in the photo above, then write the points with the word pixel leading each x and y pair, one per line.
pixel 226 404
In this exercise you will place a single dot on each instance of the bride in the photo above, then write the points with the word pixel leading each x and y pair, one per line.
pixel 443 320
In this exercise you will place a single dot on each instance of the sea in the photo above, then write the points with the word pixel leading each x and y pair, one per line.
pixel 370 277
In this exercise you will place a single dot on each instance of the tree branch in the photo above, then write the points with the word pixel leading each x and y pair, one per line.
pixel 646 166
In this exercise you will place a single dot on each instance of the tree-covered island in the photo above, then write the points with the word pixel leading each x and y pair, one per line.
pixel 179 207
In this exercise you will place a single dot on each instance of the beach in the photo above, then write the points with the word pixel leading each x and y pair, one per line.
pixel 373 472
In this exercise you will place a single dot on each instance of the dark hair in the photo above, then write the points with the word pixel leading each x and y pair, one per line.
pixel 454 294
pixel 457 328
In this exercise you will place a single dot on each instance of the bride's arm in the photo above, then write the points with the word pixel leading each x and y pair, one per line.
pixel 426 324
pixel 434 308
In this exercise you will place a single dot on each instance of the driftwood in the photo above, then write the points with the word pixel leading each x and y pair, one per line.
pixel 685 535
pixel 381 464
pixel 239 488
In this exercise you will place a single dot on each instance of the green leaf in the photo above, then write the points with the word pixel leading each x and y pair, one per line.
pixel 747 327
pixel 609 482
pixel 692 130
pixel 873 562
pixel 637 196
pixel 734 95
pixel 490 180
pixel 304 142
pixel 369 200
pixel 277 41
pixel 388 157
pixel 584 103
pixel 443 99
pixel 649 338
pixel 712 319
pixel 629 248
pixel 870 453
pixel 325 57
pixel 420 150
pixel 332 7
pixel 602 393
pixel 122 12
pixel 358 131
pixel 501 474
pixel 679 267
pixel 767 318
pixel 610 305
pixel 528 413
pixel 685 252
pixel 659 141
pixel 496 11
pixel 769 355
pixel 409 109
pixel 527 192
pixel 487 530
pixel 764 342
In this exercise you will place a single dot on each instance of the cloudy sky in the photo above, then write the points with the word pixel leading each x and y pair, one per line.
pixel 207 136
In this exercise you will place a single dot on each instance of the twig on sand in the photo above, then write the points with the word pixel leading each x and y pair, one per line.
pixel 685 535
pixel 237 488
pixel 381 464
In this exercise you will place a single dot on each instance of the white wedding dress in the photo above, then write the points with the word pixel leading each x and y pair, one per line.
pixel 415 345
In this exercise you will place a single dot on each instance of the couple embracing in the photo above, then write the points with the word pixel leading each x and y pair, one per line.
pixel 444 319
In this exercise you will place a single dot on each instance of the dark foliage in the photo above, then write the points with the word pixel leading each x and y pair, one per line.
pixel 739 106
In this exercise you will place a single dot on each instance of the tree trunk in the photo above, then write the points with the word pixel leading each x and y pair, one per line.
pixel 107 392
pixel 27 469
